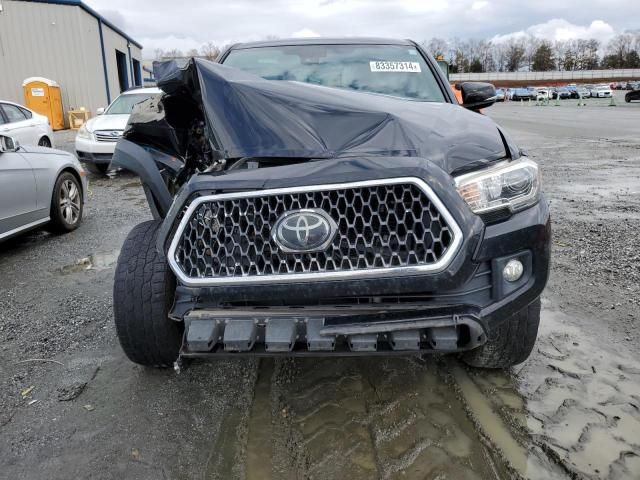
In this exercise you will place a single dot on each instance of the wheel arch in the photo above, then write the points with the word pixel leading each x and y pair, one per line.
pixel 77 176
pixel 46 135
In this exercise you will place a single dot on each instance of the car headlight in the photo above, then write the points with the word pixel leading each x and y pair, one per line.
pixel 514 185
pixel 85 133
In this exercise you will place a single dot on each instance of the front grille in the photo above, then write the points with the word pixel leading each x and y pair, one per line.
pixel 108 135
pixel 384 225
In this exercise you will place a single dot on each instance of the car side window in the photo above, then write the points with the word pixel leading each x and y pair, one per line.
pixel 26 113
pixel 13 113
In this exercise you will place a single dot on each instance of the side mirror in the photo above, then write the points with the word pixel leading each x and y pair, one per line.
pixel 477 95
pixel 100 111
pixel 8 144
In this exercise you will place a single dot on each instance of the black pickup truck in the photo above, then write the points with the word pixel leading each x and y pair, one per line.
pixel 328 197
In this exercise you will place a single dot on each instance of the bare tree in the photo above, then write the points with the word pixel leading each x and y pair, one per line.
pixel 173 53
pixel 559 48
pixel 515 53
pixel 519 53
pixel 436 47
pixel 158 54
pixel 486 55
pixel 590 59
pixel 209 51
pixel 500 56
pixel 620 46
pixel 531 45
pixel 193 52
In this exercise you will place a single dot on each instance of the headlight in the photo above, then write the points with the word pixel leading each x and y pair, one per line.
pixel 84 133
pixel 514 185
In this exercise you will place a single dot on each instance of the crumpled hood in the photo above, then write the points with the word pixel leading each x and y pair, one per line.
pixel 248 116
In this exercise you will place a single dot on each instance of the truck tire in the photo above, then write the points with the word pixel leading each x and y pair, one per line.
pixel 143 293
pixel 510 342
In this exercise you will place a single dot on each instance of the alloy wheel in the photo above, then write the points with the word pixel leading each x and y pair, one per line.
pixel 70 202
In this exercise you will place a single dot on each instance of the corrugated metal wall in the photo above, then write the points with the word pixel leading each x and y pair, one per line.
pixel 113 41
pixel 61 43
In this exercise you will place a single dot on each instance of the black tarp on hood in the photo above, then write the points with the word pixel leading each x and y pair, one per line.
pixel 249 116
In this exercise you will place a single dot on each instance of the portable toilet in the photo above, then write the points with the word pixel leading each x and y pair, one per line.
pixel 43 96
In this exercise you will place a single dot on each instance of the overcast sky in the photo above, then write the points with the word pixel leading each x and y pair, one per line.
pixel 168 24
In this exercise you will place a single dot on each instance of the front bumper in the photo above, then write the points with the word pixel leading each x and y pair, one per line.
pixel 93 151
pixel 469 295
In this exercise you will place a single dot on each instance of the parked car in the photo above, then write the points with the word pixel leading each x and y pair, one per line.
pixel 356 214
pixel 39 186
pixel 633 95
pixel 500 95
pixel 580 92
pixel 542 94
pixel 96 139
pixel 601 91
pixel 527 93
pixel 563 93
pixel 24 125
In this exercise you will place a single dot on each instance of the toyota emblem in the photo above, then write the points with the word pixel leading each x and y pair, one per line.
pixel 305 230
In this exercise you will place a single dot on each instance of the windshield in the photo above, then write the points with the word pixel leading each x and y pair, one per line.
pixel 124 103
pixel 387 69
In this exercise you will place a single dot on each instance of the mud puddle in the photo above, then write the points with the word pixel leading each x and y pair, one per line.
pixel 582 397
pixel 573 409
pixel 97 261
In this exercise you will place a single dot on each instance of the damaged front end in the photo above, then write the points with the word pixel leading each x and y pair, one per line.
pixel 299 219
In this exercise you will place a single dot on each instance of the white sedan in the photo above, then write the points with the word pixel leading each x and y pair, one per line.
pixel 602 92
pixel 24 125
pixel 96 140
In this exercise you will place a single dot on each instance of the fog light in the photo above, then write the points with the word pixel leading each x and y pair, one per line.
pixel 513 270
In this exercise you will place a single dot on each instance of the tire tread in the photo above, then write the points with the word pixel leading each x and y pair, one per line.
pixel 510 342
pixel 143 293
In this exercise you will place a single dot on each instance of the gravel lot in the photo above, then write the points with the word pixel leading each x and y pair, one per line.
pixel 72 406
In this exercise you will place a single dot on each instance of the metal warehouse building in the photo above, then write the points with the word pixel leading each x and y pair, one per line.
pixel 66 41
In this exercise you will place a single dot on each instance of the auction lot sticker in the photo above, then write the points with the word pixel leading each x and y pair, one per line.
pixel 387 66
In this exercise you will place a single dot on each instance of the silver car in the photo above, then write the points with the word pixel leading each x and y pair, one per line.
pixel 39 186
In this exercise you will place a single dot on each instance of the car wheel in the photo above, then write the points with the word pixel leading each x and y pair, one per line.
pixel 97 168
pixel 510 342
pixel 44 142
pixel 143 292
pixel 66 203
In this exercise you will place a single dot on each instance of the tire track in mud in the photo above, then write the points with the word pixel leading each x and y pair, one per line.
pixel 363 419
pixel 573 408
pixel 402 417
pixel 227 453
pixel 499 415
pixel 585 399
pixel 259 451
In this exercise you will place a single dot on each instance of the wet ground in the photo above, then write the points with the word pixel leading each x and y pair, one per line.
pixel 72 406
